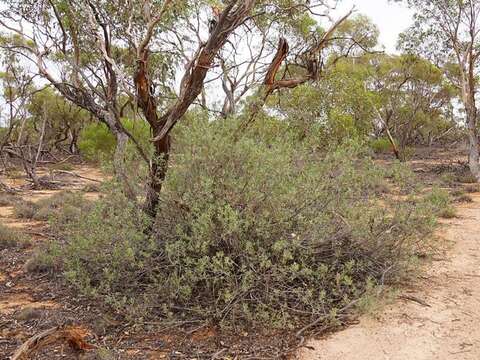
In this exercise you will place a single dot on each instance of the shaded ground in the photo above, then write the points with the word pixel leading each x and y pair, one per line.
pixel 443 325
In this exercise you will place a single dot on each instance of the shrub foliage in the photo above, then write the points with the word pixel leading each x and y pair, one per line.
pixel 253 231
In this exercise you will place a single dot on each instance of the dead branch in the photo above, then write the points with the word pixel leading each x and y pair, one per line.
pixel 75 175
pixel 234 15
pixel 279 58
pixel 74 336
pixel 414 299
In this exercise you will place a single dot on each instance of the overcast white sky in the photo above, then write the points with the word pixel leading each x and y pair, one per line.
pixel 391 18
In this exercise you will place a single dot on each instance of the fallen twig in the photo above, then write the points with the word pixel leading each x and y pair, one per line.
pixel 322 318
pixel 76 175
pixel 35 233
pixel 414 299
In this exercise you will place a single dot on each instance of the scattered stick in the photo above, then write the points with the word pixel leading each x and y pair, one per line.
pixel 8 189
pixel 414 299
pixel 75 175
pixel 218 354
pixel 323 318
pixel 35 233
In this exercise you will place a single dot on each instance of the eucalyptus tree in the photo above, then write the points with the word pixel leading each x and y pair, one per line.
pixel 337 105
pixel 65 121
pixel 18 87
pixel 97 53
pixel 411 97
pixel 68 47
pixel 448 33
pixel 248 27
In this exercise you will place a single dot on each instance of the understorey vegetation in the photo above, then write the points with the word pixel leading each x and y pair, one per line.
pixel 260 231
pixel 10 238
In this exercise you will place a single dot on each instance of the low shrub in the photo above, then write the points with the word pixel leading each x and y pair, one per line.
pixel 91 188
pixel 448 179
pixel 63 206
pixel 381 146
pixel 249 232
pixel 467 178
pixel 460 196
pixel 63 166
pixel 7 199
pixel 10 238
pixel 441 203
pixel 44 260
pixel 96 142
pixel 25 209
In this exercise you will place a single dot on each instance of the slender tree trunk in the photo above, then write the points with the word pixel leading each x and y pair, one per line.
pixel 468 97
pixel 158 172
pixel 120 166
pixel 73 142
pixel 119 156
pixel 474 153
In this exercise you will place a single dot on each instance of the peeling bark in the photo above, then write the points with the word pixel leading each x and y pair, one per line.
pixel 234 14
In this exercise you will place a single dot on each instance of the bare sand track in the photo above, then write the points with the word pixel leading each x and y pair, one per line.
pixel 448 328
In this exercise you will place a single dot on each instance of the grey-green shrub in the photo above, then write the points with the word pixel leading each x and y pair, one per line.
pixel 63 206
pixel 7 199
pixel 261 230
pixel 441 203
pixel 10 238
pixel 24 209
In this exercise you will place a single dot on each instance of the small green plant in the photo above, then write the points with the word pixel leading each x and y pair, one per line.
pixel 457 192
pixel 25 209
pixel 63 206
pixel 63 166
pixel 381 146
pixel 15 174
pixel 448 213
pixel 10 238
pixel 91 187
pixel 459 196
pixel 28 313
pixel 440 202
pixel 467 178
pixel 448 179
pixel 104 354
pixel 7 199
pixel 43 261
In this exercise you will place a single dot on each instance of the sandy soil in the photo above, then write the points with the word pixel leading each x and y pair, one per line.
pixel 27 303
pixel 448 328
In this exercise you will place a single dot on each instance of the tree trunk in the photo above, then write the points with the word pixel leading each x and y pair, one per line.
pixel 474 145
pixel 120 166
pixel 73 147
pixel 119 156
pixel 159 164
pixel 158 171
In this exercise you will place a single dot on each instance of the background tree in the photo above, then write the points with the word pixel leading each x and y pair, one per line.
pixel 448 32
pixel 413 99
